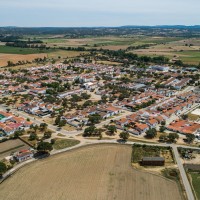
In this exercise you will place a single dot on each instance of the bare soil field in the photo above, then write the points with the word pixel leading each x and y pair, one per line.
pixel 93 172
pixel 6 148
pixel 4 58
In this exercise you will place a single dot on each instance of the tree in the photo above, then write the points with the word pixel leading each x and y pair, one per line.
pixel 35 128
pixel 43 126
pixel 33 136
pixel 163 137
pixel 47 135
pixel 57 120
pixel 112 129
pixel 163 123
pixel 162 129
pixel 62 123
pixel 190 138
pixel 89 131
pixel 151 133
pixel 172 137
pixel 184 117
pixel 3 168
pixel 44 147
pixel 95 118
pixel 18 133
pixel 124 135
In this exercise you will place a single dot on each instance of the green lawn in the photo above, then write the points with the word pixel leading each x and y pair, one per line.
pixel 23 51
pixel 196 183
pixel 64 143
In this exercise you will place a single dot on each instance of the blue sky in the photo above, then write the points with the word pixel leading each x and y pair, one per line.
pixel 74 13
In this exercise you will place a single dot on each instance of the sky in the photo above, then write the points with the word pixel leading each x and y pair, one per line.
pixel 86 13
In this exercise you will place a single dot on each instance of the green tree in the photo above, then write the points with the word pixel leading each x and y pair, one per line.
pixel 124 135
pixel 33 136
pixel 47 135
pixel 190 138
pixel 184 117
pixel 43 126
pixel 57 120
pixel 95 118
pixel 162 129
pixel 44 147
pixel 89 131
pixel 35 128
pixel 163 137
pixel 172 137
pixel 112 129
pixel 151 133
pixel 163 123
pixel 3 168
pixel 62 123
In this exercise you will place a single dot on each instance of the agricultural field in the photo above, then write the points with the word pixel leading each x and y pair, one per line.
pixel 4 58
pixel 6 148
pixel 22 51
pixel 92 172
pixel 187 50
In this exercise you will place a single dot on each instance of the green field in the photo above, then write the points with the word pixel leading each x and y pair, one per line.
pixel 23 51
pixel 64 143
pixel 196 183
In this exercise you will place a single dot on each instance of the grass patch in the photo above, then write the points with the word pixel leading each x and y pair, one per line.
pixel 193 117
pixel 64 143
pixel 195 176
pixel 140 151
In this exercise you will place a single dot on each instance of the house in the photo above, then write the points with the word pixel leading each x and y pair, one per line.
pixel 152 123
pixel 23 155
pixel 142 128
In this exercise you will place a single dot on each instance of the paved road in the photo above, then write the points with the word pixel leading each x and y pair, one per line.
pixel 183 174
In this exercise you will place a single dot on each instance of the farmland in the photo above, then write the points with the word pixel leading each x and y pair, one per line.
pixel 6 148
pixel 94 172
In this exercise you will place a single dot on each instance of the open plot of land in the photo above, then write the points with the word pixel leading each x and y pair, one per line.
pixel 6 148
pixel 93 172
pixel 140 151
pixel 64 143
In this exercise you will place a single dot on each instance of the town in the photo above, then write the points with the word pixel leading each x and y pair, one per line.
pixel 91 122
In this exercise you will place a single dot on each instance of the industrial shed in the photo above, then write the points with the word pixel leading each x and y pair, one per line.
pixel 153 161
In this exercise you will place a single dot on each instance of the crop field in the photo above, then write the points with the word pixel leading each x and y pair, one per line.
pixel 4 58
pixel 185 50
pixel 6 148
pixel 92 172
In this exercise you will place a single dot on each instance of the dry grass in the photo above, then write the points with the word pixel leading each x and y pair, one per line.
pixel 4 58
pixel 94 172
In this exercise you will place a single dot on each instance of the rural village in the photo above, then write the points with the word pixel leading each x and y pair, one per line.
pixel 49 109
